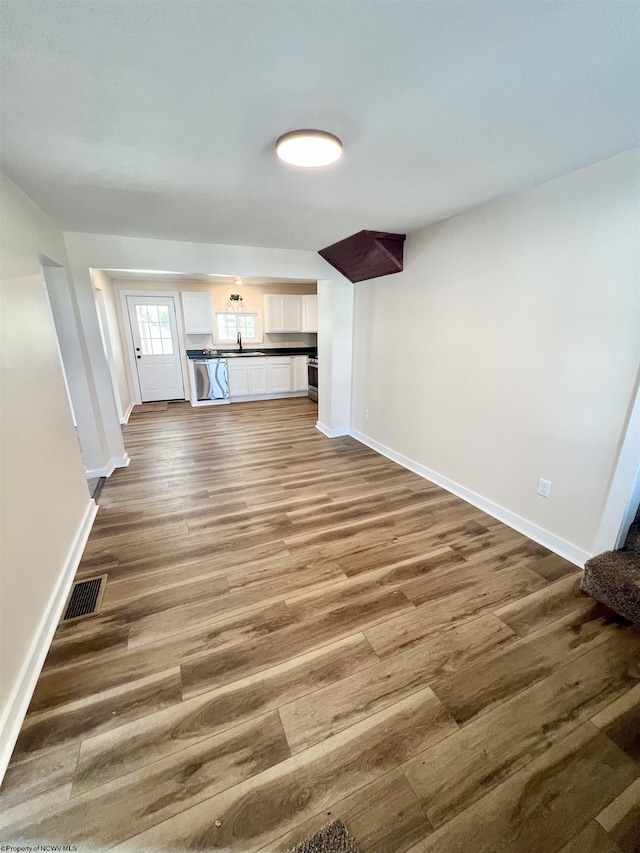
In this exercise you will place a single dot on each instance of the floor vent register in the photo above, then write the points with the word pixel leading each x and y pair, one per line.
pixel 85 599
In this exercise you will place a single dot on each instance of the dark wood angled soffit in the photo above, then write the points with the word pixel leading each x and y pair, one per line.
pixel 367 254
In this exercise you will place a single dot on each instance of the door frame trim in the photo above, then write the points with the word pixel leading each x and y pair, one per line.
pixel 126 325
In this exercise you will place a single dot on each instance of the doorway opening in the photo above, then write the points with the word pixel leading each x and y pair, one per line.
pixel 58 293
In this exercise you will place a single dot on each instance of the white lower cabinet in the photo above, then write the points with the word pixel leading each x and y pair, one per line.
pixel 299 373
pixel 257 371
pixel 247 376
pixel 255 376
pixel 279 375
pixel 238 377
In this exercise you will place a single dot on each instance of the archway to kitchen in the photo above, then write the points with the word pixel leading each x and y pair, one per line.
pixel 277 317
pixel 170 259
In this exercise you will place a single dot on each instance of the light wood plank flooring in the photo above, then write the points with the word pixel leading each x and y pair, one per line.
pixel 296 629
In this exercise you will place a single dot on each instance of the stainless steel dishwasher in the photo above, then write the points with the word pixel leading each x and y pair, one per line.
pixel 212 379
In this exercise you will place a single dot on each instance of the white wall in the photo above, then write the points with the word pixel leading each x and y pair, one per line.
pixel 46 508
pixel 97 251
pixel 335 340
pixel 508 350
pixel 103 283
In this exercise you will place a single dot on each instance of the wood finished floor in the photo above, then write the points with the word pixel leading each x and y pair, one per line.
pixel 295 629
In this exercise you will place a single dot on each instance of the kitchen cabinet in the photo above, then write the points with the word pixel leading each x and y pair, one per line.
pixel 274 318
pixel 238 377
pixel 291 312
pixel 309 312
pixel 257 375
pixel 272 376
pixel 247 376
pixel 198 317
pixel 279 375
pixel 299 373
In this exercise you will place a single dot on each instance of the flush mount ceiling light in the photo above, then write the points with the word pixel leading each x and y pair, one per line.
pixel 238 281
pixel 309 148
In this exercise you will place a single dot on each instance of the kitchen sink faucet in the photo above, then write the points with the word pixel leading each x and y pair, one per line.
pixel 240 340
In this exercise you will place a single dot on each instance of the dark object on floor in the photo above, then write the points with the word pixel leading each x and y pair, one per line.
pixel 334 838
pixel 632 542
pixel 85 599
pixel 613 578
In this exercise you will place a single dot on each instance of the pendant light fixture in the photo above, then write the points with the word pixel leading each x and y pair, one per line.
pixel 309 148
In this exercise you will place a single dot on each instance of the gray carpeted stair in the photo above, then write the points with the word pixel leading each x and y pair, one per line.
pixel 613 578
pixel 334 838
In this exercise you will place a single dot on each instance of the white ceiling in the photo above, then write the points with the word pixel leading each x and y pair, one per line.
pixel 158 117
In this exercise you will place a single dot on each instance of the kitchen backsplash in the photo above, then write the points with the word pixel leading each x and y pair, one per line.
pixel 291 339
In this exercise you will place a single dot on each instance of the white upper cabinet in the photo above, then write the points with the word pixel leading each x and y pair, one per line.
pixel 274 313
pixel 290 312
pixel 293 313
pixel 198 317
pixel 310 313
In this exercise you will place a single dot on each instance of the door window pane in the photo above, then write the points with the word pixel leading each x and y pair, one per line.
pixel 154 329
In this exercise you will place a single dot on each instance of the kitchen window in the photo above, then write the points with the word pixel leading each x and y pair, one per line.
pixel 229 323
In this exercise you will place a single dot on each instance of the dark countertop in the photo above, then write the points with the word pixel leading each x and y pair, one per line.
pixel 197 353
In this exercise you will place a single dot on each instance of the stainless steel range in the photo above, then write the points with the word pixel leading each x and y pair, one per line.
pixel 312 375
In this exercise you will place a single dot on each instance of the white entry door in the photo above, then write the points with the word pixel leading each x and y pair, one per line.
pixel 155 342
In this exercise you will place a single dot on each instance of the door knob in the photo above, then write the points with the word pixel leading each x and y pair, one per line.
pixel 138 356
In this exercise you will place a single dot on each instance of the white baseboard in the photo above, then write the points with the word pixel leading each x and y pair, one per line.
pixel 107 471
pixel 125 418
pixel 332 433
pixel 544 537
pixel 18 703
pixel 281 395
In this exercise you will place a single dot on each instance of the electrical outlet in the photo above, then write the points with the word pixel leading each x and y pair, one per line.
pixel 544 487
pixel 366 414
